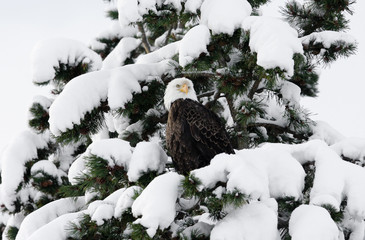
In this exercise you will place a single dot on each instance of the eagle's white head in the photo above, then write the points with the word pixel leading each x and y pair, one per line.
pixel 179 88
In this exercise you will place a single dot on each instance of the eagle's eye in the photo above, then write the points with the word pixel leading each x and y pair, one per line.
pixel 178 85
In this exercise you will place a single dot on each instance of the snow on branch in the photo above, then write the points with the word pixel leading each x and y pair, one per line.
pixel 126 200
pixel 334 180
pixel 104 210
pixel 193 5
pixel 58 227
pixel 47 213
pixel 247 223
pixel 147 156
pixel 352 148
pixel 131 11
pixel 166 52
pixel 157 203
pixel 257 173
pixel 312 222
pixel 193 44
pixel 328 38
pixel 121 52
pixel 48 54
pixel 115 151
pixel 274 41
pixel 85 92
pixel 224 16
pixel 190 47
pixel 22 149
pixel 323 131
pixel 57 216
pixel 275 171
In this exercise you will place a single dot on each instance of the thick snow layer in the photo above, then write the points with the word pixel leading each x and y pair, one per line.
pixel 48 54
pixel 56 228
pixel 14 221
pixel 275 170
pixel 334 179
pixel 193 5
pixel 147 156
pixel 79 96
pixel 290 93
pixel 355 226
pixel 114 30
pixel 43 101
pixel 200 227
pixel 126 200
pixel 84 93
pixel 254 221
pixel 328 38
pixel 116 122
pixel 166 52
pixel 193 44
pixel 323 131
pixel 115 151
pixel 353 148
pixel 157 203
pixel 121 52
pixel 128 12
pixel 131 11
pixel 104 210
pixel 224 16
pixel 312 222
pixel 4 218
pixel 258 173
pixel 274 41
pixel 46 214
pixel 48 167
pixel 275 113
pixel 21 149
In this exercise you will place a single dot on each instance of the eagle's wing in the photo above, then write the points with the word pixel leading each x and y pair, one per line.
pixel 207 130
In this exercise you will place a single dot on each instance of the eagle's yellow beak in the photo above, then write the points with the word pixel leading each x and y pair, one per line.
pixel 184 88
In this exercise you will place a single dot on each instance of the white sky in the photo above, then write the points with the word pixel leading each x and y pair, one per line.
pixel 25 22
pixel 22 24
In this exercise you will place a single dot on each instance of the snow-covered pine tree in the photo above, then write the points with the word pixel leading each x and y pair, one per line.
pixel 93 164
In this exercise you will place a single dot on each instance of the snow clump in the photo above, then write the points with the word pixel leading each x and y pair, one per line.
pixel 254 221
pixel 48 54
pixel 274 41
pixel 157 203
pixel 147 156
pixel 312 222
pixel 115 151
pixel 224 16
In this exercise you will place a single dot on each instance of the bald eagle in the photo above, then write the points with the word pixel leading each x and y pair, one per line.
pixel 194 134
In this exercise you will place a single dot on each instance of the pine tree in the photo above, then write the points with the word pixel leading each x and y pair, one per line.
pixel 94 160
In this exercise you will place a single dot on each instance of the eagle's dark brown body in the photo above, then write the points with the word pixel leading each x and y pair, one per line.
pixel 194 135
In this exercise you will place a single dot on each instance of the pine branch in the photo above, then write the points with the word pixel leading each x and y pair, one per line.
pixel 206 94
pixel 217 95
pixel 196 74
pixel 278 128
pixel 254 88
pixel 168 35
pixel 145 43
